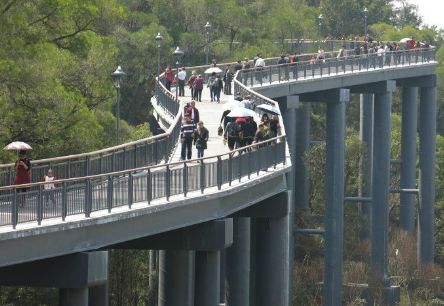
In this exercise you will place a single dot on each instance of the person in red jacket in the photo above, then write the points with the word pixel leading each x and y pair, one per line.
pixel 169 78
pixel 23 174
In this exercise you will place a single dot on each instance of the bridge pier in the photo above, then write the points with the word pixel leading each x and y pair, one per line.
pixel 366 137
pixel 381 181
pixel 301 190
pixel 237 266
pixel 408 157
pixel 73 297
pixel 334 198
pixel 427 152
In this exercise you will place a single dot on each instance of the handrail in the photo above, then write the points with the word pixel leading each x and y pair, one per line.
pixel 125 187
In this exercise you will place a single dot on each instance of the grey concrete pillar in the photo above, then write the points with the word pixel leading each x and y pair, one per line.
pixel 427 152
pixel 237 267
pixel 98 295
pixel 381 180
pixel 272 279
pixel 366 137
pixel 334 206
pixel 176 278
pixel 301 193
pixel 408 157
pixel 73 297
pixel 222 276
pixel 207 281
pixel 289 116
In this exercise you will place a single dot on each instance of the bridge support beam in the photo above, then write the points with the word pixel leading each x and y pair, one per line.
pixel 73 297
pixel 207 286
pixel 334 206
pixel 272 275
pixel 98 295
pixel 301 191
pixel 237 265
pixel 176 278
pixel 427 151
pixel 366 137
pixel 408 157
pixel 381 181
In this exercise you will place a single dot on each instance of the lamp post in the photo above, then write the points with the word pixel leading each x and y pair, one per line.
pixel 177 54
pixel 365 20
pixel 207 27
pixel 320 17
pixel 117 76
pixel 159 39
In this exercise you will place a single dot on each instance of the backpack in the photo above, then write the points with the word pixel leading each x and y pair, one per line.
pixel 231 130
pixel 212 82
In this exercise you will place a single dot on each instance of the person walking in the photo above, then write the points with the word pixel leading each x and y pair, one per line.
pixel 211 85
pixel 169 78
pixel 49 188
pixel 193 112
pixel 198 87
pixel 200 139
pixel 218 88
pixel 228 77
pixel 190 82
pixel 181 76
pixel 186 137
pixel 23 174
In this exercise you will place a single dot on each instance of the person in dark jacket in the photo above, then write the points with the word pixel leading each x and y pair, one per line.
pixel 228 77
pixel 193 112
pixel 250 128
pixel 200 139
pixel 186 137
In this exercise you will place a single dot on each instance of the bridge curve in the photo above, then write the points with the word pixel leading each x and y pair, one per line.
pixel 99 211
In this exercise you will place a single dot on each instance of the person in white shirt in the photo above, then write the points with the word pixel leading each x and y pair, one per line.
pixel 49 188
pixel 181 76
pixel 380 54
pixel 259 64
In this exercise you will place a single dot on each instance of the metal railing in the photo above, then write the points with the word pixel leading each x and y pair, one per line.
pixel 130 155
pixel 145 184
pixel 333 66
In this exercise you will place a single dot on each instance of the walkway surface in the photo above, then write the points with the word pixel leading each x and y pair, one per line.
pixel 210 113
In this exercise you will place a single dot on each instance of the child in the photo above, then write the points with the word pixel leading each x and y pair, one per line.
pixel 49 188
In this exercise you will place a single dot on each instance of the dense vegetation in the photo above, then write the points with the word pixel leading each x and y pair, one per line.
pixel 56 57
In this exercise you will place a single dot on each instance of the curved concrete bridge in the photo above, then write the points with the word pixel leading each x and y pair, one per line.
pixel 229 216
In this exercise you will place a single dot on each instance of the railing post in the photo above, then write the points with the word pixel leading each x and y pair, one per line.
pixel 40 205
pixel 202 176
pixel 230 169
pixel 88 191
pixel 123 159
pixel 270 75
pixel 249 162
pixel 64 201
pixel 101 163
pixel 135 156
pixel 219 172
pixel 258 159
pixel 112 161
pixel 279 73
pixel 14 209
pixel 87 165
pixel 167 183
pixel 109 196
pixel 130 189
pixel 305 70
pixel 149 192
pixel 239 165
pixel 185 179
pixel 329 67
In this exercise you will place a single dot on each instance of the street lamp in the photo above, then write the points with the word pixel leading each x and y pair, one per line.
pixel 117 76
pixel 177 54
pixel 365 20
pixel 320 17
pixel 159 39
pixel 207 27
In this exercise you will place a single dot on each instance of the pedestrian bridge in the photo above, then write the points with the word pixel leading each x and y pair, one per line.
pixel 136 194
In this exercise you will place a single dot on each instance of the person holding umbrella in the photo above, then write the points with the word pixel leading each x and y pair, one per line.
pixel 23 173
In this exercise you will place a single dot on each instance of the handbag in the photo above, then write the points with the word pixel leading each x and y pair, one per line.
pixel 220 130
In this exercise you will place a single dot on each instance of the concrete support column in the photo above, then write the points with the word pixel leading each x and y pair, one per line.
pixel 381 180
pixel 152 267
pixel 273 275
pixel 366 136
pixel 334 189
pixel 427 152
pixel 301 193
pixel 176 278
pixel 98 295
pixel 73 297
pixel 237 265
pixel 207 281
pixel 408 157
pixel 289 116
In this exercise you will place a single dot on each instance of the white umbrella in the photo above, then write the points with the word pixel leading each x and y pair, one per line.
pixel 241 112
pixel 404 40
pixel 269 109
pixel 17 146
pixel 233 104
pixel 213 69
